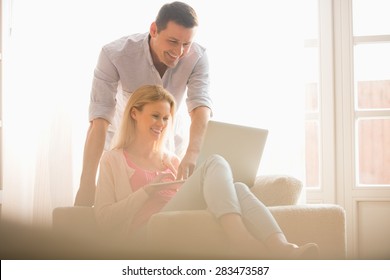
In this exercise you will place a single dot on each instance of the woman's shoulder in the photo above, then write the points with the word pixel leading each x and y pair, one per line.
pixel 115 159
pixel 112 155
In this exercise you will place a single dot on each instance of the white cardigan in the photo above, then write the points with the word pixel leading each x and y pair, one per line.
pixel 115 202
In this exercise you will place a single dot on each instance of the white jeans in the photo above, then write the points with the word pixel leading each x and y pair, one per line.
pixel 211 187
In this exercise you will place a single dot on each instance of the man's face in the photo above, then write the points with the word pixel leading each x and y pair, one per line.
pixel 170 44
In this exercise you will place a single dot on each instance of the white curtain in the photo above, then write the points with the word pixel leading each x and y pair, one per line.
pixel 50 52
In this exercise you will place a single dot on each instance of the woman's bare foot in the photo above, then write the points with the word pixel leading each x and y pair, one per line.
pixel 289 251
pixel 280 248
pixel 309 251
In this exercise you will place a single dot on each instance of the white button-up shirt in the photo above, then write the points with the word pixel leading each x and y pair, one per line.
pixel 126 64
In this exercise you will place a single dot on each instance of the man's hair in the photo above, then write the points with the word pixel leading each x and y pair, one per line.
pixel 179 12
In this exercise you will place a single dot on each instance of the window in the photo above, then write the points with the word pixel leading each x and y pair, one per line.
pixel 319 105
pixel 312 109
pixel 371 38
pixel 370 77
pixel 362 115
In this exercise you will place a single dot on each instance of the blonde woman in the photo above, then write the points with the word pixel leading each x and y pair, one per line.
pixel 126 197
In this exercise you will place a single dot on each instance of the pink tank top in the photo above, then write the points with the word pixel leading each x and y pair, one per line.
pixel 156 202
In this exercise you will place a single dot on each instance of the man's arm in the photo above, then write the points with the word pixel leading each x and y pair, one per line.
pixel 199 119
pixel 93 150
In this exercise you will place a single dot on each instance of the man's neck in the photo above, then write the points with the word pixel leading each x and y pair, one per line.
pixel 161 67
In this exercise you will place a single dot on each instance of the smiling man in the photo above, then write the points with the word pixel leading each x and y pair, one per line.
pixel 166 56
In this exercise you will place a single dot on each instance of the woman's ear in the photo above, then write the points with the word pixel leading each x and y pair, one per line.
pixel 133 113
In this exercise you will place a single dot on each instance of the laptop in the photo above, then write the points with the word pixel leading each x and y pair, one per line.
pixel 241 146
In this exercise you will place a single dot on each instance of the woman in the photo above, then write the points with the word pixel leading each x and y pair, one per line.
pixel 126 197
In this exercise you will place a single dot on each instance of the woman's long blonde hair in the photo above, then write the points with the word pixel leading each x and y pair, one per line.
pixel 139 98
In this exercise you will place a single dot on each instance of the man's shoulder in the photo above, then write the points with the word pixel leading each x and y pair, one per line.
pixel 196 53
pixel 197 49
pixel 126 44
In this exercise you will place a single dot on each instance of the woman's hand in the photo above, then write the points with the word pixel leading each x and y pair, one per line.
pixel 150 189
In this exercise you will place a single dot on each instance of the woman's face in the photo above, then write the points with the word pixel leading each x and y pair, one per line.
pixel 152 120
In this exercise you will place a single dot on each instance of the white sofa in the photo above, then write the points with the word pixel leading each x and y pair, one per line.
pixel 196 234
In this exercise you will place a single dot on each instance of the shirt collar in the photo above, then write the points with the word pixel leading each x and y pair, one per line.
pixel 147 49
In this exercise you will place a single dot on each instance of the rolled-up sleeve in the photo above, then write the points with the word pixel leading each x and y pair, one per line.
pixel 198 85
pixel 104 89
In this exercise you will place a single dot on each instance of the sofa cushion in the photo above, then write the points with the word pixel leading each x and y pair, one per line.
pixel 196 234
pixel 274 190
pixel 179 233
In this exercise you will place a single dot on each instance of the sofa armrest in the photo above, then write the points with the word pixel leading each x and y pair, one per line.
pixel 77 236
pixel 75 220
pixel 274 190
pixel 323 224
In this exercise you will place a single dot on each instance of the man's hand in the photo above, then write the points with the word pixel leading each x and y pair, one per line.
pixel 187 166
pixel 85 195
pixel 199 119
pixel 93 149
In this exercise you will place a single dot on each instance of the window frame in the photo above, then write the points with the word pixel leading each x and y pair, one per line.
pixel 326 191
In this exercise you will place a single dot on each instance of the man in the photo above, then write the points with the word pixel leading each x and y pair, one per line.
pixel 166 56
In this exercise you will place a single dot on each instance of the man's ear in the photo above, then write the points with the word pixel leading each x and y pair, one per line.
pixel 153 29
